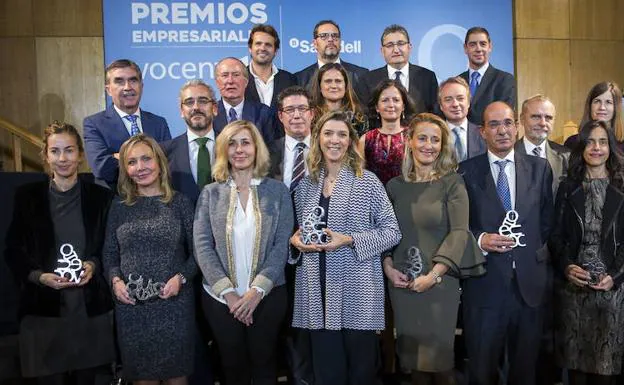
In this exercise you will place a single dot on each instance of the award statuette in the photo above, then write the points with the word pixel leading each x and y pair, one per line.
pixel 138 291
pixel 507 228
pixel 414 263
pixel 70 266
pixel 596 269
pixel 311 233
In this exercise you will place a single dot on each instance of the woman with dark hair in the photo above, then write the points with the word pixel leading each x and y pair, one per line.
pixel 332 91
pixel 148 260
pixel 383 147
pixel 242 227
pixel 431 204
pixel 585 246
pixel 54 247
pixel 604 102
pixel 345 223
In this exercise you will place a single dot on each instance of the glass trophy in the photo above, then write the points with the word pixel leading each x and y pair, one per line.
pixel 311 229
pixel 414 265
pixel 596 269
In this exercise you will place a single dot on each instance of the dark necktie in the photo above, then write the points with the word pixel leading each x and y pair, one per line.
pixel 134 127
pixel 298 170
pixel 537 151
pixel 204 170
pixel 474 83
pixel 232 115
pixel 502 184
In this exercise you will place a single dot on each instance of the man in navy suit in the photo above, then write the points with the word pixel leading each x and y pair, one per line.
pixel 266 80
pixel 105 132
pixel 420 82
pixel 487 84
pixel 232 78
pixel 502 309
pixel 454 100
pixel 326 41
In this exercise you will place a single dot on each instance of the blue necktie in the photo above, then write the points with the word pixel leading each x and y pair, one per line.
pixel 474 83
pixel 459 148
pixel 134 128
pixel 232 115
pixel 502 185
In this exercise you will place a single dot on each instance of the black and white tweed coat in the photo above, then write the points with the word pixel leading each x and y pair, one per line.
pixel 358 207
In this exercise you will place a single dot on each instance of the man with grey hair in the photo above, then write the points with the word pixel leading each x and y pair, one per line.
pixel 232 77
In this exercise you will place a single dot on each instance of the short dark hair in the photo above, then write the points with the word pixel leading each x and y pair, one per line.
pixel 122 63
pixel 409 110
pixel 323 22
pixel 392 29
pixel 476 30
pixel 266 28
pixel 292 91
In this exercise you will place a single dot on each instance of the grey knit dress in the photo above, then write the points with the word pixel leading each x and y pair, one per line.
pixel 153 239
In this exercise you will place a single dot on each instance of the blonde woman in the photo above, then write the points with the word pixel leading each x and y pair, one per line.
pixel 149 238
pixel 431 204
pixel 242 226
pixel 339 287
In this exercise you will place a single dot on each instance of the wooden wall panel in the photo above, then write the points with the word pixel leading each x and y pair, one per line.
pixel 70 77
pixel 16 18
pixel 548 74
pixel 593 62
pixel 596 19
pixel 67 17
pixel 534 19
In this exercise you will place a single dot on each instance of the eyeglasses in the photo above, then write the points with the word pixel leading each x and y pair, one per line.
pixel 496 124
pixel 290 111
pixel 190 102
pixel 327 35
pixel 392 44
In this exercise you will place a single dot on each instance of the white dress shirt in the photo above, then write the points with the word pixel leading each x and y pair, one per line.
pixel 238 109
pixel 290 153
pixel 128 123
pixel 243 228
pixel 320 63
pixel 481 72
pixel 404 74
pixel 265 90
pixel 528 146
pixel 194 149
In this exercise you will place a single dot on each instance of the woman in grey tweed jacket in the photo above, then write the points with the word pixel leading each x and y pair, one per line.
pixel 243 223
pixel 339 287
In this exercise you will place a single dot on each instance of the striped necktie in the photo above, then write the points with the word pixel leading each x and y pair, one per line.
pixel 298 170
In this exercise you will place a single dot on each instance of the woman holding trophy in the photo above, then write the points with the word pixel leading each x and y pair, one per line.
pixel 431 205
pixel 586 246
pixel 345 223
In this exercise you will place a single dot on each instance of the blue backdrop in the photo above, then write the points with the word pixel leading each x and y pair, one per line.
pixel 176 41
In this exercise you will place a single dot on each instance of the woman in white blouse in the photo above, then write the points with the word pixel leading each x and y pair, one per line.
pixel 242 227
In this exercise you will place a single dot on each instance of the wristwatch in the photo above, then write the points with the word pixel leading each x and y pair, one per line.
pixel 436 277
pixel 182 278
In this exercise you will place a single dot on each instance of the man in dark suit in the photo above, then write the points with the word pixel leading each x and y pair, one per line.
pixel 232 78
pixel 105 132
pixel 454 100
pixel 503 308
pixel 326 41
pixel 487 84
pixel 538 119
pixel 420 82
pixel 266 80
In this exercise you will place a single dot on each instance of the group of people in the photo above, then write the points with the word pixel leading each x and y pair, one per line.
pixel 338 202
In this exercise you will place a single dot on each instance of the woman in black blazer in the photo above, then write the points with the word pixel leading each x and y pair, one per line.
pixel 586 246
pixel 66 314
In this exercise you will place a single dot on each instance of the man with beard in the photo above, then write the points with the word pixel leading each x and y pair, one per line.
pixel 191 154
pixel 105 131
pixel 266 81
pixel 326 40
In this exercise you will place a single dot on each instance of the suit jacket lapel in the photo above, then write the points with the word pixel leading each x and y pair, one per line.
pixel 523 176
pixel 117 123
pixel 488 77
pixel 221 119
pixel 486 181
pixel 611 208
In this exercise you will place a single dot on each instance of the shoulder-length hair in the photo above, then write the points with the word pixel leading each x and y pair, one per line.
pixel 409 109
pixel 222 169
pixel 350 101
pixel 444 164
pixel 352 158
pixel 617 122
pixel 127 188
pixel 577 166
